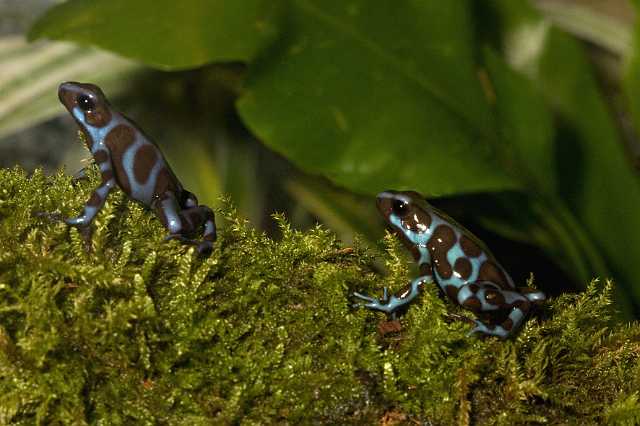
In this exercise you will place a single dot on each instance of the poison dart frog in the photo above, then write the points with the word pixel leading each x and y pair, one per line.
pixel 131 161
pixel 458 262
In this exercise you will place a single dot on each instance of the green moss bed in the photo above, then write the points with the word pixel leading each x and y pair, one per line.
pixel 141 331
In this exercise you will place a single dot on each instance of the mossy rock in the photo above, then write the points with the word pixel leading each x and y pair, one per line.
pixel 141 331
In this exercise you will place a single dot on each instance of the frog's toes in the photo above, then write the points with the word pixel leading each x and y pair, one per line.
pixel 479 328
pixel 78 222
pixel 385 294
pixel 205 248
pixel 182 239
pixel 497 330
pixel 369 302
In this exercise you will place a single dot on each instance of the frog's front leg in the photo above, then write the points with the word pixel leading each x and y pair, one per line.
pixel 98 197
pixel 391 304
pixel 79 175
pixel 182 222
pixel 487 297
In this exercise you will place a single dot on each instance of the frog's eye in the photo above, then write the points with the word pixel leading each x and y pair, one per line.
pixel 85 103
pixel 400 207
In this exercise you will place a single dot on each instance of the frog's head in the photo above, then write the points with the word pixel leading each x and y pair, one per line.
pixel 406 212
pixel 86 103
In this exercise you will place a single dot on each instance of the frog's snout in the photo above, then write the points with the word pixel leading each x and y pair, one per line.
pixel 61 92
pixel 64 88
pixel 384 202
pixel 65 94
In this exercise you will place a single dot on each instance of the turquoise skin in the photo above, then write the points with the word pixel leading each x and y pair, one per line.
pixel 131 161
pixel 454 259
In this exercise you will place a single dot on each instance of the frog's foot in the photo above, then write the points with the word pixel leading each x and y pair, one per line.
pixel 486 297
pixel 79 223
pixel 186 221
pixel 182 239
pixel 506 328
pixel 494 330
pixel 204 247
pixel 391 304
pixel 372 302
pixel 79 175
pixel 84 230
pixel 534 296
pixel 388 305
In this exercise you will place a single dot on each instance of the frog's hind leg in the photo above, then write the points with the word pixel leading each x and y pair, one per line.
pixel 486 297
pixel 534 295
pixel 182 222
pixel 203 215
pixel 189 200
pixel 200 214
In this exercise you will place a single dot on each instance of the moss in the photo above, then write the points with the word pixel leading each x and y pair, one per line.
pixel 143 331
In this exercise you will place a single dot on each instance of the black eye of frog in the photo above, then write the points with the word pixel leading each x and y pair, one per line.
pixel 400 207
pixel 85 103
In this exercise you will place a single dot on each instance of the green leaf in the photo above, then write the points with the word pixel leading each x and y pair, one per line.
pixel 378 97
pixel 526 127
pixel 597 183
pixel 631 79
pixel 525 123
pixel 601 188
pixel 165 34
pixel 373 97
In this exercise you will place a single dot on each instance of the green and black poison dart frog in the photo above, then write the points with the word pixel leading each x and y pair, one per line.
pixel 130 160
pixel 459 263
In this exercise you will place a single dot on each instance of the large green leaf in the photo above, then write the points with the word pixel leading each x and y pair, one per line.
pixel 373 97
pixel 526 127
pixel 378 97
pixel 631 81
pixel 599 190
pixel 632 72
pixel 525 124
pixel 166 34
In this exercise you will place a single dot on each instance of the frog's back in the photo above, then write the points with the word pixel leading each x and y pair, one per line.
pixel 140 168
pixel 458 256
pixel 440 244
